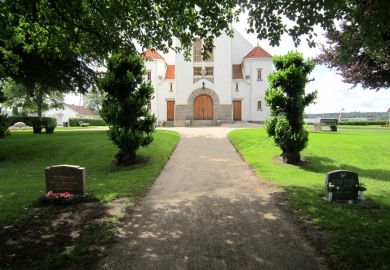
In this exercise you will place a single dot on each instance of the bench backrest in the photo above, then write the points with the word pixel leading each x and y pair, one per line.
pixel 328 121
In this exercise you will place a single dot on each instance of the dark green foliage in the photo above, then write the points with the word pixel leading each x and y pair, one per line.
pixel 3 119
pixel 368 115
pixel 287 100
pixel 359 49
pixel 364 123
pixel 35 99
pixel 4 132
pixel 28 120
pixel 58 44
pixel 75 122
pixel 125 107
pixel 94 99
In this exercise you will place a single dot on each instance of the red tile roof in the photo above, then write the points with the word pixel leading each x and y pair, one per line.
pixel 237 72
pixel 170 73
pixel 258 52
pixel 80 109
pixel 152 54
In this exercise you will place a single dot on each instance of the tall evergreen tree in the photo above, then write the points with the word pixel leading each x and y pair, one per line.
pixel 125 106
pixel 287 100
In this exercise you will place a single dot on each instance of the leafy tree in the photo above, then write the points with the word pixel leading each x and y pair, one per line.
pixel 348 52
pixel 2 98
pixel 269 19
pixel 94 100
pixel 4 132
pixel 57 43
pixel 125 106
pixel 37 99
pixel 357 31
pixel 287 100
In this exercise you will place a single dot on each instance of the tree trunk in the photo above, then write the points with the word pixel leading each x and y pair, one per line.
pixel 291 157
pixel 39 100
pixel 125 159
pixel 39 111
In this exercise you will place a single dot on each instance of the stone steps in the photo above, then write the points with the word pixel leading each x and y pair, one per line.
pixel 203 123
pixel 169 124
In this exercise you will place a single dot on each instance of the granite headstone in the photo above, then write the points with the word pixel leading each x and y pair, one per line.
pixel 66 178
pixel 342 184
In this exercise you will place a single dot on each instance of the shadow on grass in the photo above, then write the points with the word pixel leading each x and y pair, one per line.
pixel 324 164
pixel 356 232
pixel 42 241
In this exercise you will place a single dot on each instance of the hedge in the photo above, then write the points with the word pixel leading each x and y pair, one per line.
pixel 357 123
pixel 28 120
pixel 364 123
pixel 75 122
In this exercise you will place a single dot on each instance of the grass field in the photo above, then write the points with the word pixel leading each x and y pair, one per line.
pixel 359 236
pixel 379 128
pixel 24 156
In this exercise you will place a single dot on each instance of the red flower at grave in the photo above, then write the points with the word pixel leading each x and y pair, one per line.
pixel 60 195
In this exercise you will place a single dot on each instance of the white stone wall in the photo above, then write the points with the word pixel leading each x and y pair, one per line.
pixel 240 48
pixel 228 51
pixel 223 69
pixel 183 78
pixel 257 88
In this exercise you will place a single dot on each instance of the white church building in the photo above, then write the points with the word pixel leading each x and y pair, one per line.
pixel 229 86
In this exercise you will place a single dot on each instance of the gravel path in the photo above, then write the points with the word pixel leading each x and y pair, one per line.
pixel 207 210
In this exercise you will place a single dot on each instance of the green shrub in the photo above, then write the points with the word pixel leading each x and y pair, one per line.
pixel 4 132
pixel 28 120
pixel 287 101
pixel 75 122
pixel 354 123
pixel 364 123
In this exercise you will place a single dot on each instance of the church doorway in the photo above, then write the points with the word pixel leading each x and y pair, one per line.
pixel 203 108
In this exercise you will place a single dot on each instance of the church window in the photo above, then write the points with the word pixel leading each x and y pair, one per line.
pixel 259 105
pixel 197 50
pixel 259 75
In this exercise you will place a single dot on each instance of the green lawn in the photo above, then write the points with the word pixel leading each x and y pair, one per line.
pixel 382 128
pixel 24 156
pixel 360 236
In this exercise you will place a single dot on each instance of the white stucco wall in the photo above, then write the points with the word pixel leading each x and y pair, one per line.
pixel 223 69
pixel 240 48
pixel 161 88
pixel 258 87
pixel 228 51
pixel 62 115
pixel 183 78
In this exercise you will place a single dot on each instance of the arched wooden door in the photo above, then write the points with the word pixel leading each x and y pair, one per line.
pixel 203 108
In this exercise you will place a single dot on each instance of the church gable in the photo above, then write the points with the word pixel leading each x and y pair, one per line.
pixel 225 87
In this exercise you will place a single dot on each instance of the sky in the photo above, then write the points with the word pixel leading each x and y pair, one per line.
pixel 333 94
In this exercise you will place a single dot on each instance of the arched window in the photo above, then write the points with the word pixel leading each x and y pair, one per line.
pixel 197 50
pixel 259 105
